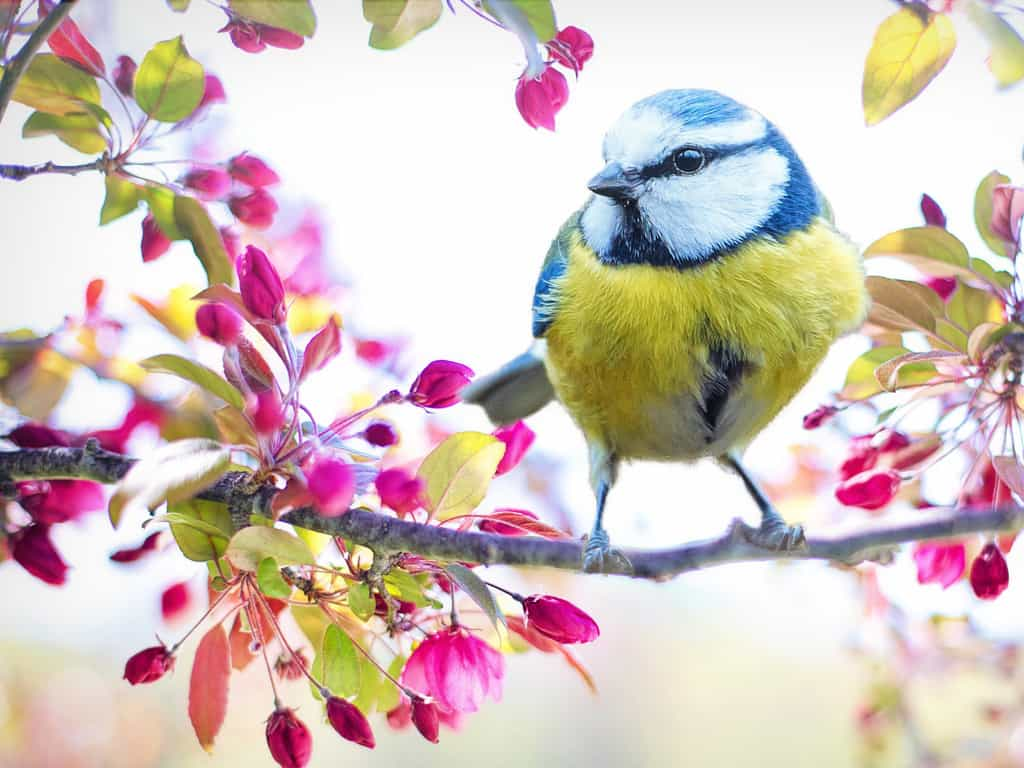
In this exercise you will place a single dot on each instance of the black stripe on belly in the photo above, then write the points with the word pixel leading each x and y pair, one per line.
pixel 725 371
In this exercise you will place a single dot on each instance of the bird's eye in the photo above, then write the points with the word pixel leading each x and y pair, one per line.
pixel 689 160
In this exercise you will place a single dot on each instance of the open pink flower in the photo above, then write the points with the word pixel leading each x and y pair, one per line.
pixel 332 482
pixel 455 668
pixel 399 490
pixel 540 98
pixel 939 563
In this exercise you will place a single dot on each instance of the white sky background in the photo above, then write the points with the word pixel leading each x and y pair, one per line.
pixel 441 203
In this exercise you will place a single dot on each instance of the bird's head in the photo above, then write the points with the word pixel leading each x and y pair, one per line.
pixel 692 174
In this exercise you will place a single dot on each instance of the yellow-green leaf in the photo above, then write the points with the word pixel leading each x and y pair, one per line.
pixel 860 377
pixel 172 473
pixel 270 581
pixel 169 83
pixel 161 204
pixel 200 528
pixel 397 22
pixel 539 14
pixel 1006 57
pixel 888 373
pixel 936 252
pixel 195 224
pixel 253 544
pixel 336 664
pixel 198 374
pixel 78 131
pixel 294 15
pixel 458 472
pixel 983 211
pixel 121 198
pixel 54 86
pixel 910 48
pixel 902 305
pixel 970 307
pixel 360 600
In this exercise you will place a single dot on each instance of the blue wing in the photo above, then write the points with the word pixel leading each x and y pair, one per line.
pixel 546 295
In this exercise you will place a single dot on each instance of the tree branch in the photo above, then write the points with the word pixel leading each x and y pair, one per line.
pixel 17 66
pixel 22 172
pixel 385 534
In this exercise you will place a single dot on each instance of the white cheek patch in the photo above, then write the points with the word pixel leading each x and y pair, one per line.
pixel 600 223
pixel 695 216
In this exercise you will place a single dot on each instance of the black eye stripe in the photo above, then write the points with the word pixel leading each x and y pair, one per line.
pixel 667 165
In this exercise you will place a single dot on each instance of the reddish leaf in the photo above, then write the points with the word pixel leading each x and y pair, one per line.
pixel 322 348
pixel 1010 472
pixel 241 651
pixel 208 687
pixel 513 522
pixel 68 42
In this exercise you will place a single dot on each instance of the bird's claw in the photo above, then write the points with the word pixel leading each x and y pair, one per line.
pixel 776 536
pixel 600 557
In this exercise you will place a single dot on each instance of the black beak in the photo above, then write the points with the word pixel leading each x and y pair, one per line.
pixel 613 182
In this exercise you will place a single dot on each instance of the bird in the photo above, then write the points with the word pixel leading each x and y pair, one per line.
pixel 689 299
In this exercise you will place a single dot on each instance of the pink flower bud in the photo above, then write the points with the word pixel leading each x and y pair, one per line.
pixel 289 740
pixel 349 722
pixel 439 384
pixel 154 242
pixel 252 171
pixel 869 490
pixel 213 92
pixel 1007 211
pixel 944 286
pixel 933 215
pixel 572 48
pixel 256 209
pixel 819 416
pixel 989 574
pixel 517 439
pixel 939 563
pixel 209 183
pixel 890 440
pixel 380 434
pixel 424 717
pixel 36 436
pixel 149 665
pixel 399 490
pixel 174 600
pixel 540 98
pixel 244 36
pixel 63 500
pixel 559 619
pixel 280 38
pixel 261 286
pixel 862 457
pixel 266 411
pixel 232 243
pixel 124 75
pixel 220 323
pixel 131 554
pixel 375 351
pixel 32 549
pixel 332 482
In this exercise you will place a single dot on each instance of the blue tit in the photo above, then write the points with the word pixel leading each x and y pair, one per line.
pixel 687 301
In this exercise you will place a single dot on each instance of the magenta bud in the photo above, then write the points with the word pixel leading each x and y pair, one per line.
pixel 154 242
pixel 517 439
pixel 244 36
pixel 174 600
pixel 256 209
pixel 213 92
pixel 252 171
pixel 989 574
pixel 209 183
pixel 149 665
pixel 220 323
pixel 32 435
pixel 1007 214
pixel 280 38
pixel 932 213
pixel 261 286
pixel 424 717
pixel 32 549
pixel 869 490
pixel 540 98
pixel 572 48
pixel 439 384
pixel 124 75
pixel 289 739
pixel 399 490
pixel 559 619
pixel 349 722
pixel 380 434
pixel 939 563
pixel 332 483
pixel 266 411
pixel 820 415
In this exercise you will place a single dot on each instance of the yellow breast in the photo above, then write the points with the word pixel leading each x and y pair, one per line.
pixel 628 350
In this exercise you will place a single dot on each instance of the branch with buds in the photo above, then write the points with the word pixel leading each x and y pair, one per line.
pixel 385 534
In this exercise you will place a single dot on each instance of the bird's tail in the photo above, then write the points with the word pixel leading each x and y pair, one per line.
pixel 516 390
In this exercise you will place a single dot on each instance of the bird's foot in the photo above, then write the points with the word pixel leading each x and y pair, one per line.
pixel 600 557
pixel 775 535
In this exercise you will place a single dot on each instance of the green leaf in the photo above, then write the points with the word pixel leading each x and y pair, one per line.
pixel 78 131
pixel 903 305
pixel 294 15
pixel 173 472
pixel 860 377
pixel 337 664
pixel 1006 57
pixel 397 22
pixel 458 472
pixel 54 86
pixel 389 696
pixel 268 577
pixel 169 83
pixel 480 593
pixel 122 197
pixel 201 528
pixel 936 252
pixel 888 373
pixel 910 48
pixel 540 15
pixel 970 307
pixel 983 211
pixel 198 374
pixel 370 683
pixel 161 205
pixel 360 600
pixel 195 224
pixel 252 544
pixel 404 586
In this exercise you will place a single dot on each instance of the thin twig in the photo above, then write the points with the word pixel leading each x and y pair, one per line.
pixel 14 71
pixel 388 535
pixel 22 172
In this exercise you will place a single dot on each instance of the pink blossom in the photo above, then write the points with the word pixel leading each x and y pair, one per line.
pixel 540 98
pixel 149 665
pixel 209 183
pixel 32 549
pixel 425 717
pixel 154 242
pixel 332 483
pixel 213 92
pixel 266 411
pixel 349 722
pixel 944 286
pixel 559 620
pixel 572 48
pixel 280 38
pixel 517 439
pixel 399 490
pixel 174 600
pixel 33 435
pixel 989 574
pixel 63 500
pixel 244 36
pixel 820 415
pixel 455 668
pixel 142 412
pixel 252 171
pixel 261 286
pixel 124 75
pixel 288 739
pixel 939 563
pixel 232 243
pixel 933 215
pixel 256 209
pixel 380 434
pixel 131 554
pixel 439 384
pixel 219 323
pixel 869 490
